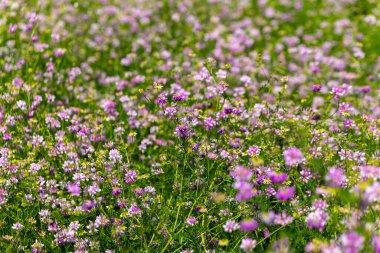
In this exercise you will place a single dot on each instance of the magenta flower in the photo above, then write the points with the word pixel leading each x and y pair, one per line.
pixel 293 156
pixel 285 193
pixel 73 188
pixel 317 220
pixel 316 87
pixel 248 225
pixel 12 28
pixel 134 210
pixel 191 221
pixel 245 191
pixel 88 204
pixel 253 150
pixel 376 243
pixel 209 123
pixel 352 242
pixel 278 178
pixel 182 131
pixel 336 177
pixel 130 176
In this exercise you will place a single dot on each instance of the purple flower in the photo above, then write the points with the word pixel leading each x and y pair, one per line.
pixel 242 173
pixel 162 99
pixel 115 156
pixel 88 204
pixel 335 177
pixel 248 244
pixel 316 87
pixel 178 97
pixel 319 204
pixel 246 191
pixel 376 243
pixel 12 28
pixel 130 176
pixel 253 150
pixel 191 221
pixel 352 242
pixel 278 178
pixel 248 225
pixel 230 226
pixel 182 131
pixel 317 220
pixel 17 226
pixel 365 89
pixel 209 123
pixel 170 112
pixel 134 210
pixel 116 190
pixel 282 218
pixel 73 188
pixel 293 156
pixel 285 193
pixel 59 52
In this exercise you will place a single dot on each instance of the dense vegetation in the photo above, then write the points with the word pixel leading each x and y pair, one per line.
pixel 190 126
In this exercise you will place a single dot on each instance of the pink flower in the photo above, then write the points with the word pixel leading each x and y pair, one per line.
pixel 73 189
pixel 248 244
pixel 317 220
pixel 352 242
pixel 191 221
pixel 248 225
pixel 277 177
pixel 293 156
pixel 230 226
pixel 285 193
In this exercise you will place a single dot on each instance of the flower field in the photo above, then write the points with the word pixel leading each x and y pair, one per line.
pixel 190 126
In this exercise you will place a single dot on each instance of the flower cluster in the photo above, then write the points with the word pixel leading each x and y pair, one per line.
pixel 189 126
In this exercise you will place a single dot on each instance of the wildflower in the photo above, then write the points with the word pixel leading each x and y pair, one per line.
pixel 242 173
pixel 187 251
pixel 134 210
pixel 365 89
pixel 17 226
pixel 222 74
pixel 162 99
pixel 248 225
pixel 182 131
pixel 317 220
pixel 253 150
pixel 191 221
pixel 115 156
pixel 335 177
pixel 74 189
pixel 130 176
pixel 245 191
pixel 59 52
pixel 230 226
pixel 37 247
pixel 88 204
pixel 316 87
pixel 209 123
pixel 282 219
pixel 248 244
pixel 293 156
pixel 352 242
pixel 12 28
pixel 376 243
pixel 285 193
pixel 319 204
pixel 338 92
pixel 278 178
pixel 170 112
